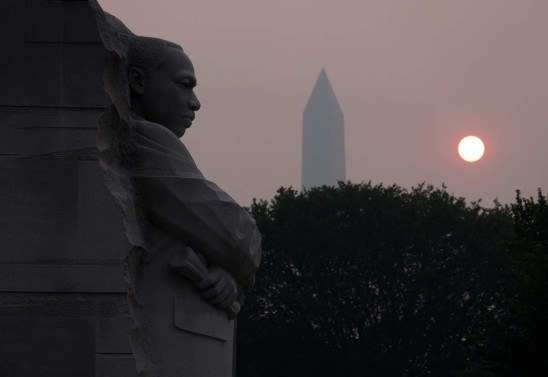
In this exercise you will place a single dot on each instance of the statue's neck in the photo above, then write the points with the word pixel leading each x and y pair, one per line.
pixel 136 108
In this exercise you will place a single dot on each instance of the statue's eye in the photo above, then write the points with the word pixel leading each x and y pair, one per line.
pixel 184 84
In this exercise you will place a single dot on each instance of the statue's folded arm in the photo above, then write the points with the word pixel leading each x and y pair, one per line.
pixel 206 219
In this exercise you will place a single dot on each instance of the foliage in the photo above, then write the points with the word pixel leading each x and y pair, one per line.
pixel 363 280
pixel 516 343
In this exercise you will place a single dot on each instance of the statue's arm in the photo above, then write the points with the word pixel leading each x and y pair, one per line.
pixel 207 220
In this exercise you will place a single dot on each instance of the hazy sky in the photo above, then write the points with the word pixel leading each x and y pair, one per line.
pixel 412 78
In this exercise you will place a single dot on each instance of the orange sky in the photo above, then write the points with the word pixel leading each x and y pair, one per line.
pixel 412 78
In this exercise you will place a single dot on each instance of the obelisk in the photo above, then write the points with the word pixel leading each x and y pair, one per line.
pixel 323 161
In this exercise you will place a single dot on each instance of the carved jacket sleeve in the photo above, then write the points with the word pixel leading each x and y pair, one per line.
pixel 179 200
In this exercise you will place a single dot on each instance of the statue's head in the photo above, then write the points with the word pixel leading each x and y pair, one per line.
pixel 162 80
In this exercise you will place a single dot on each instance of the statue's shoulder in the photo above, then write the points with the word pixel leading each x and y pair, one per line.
pixel 161 147
pixel 152 130
pixel 157 133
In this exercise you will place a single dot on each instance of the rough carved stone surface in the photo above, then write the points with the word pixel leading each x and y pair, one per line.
pixel 195 250
pixel 63 309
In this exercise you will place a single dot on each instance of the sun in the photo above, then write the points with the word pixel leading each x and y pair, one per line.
pixel 471 148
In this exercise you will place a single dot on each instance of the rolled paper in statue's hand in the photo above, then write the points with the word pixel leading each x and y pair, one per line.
pixel 189 264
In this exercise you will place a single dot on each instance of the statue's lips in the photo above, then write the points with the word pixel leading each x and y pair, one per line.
pixel 188 121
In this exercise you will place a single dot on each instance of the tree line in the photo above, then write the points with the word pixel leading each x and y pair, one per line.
pixel 373 280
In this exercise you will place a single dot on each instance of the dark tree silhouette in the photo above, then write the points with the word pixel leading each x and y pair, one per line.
pixel 363 280
pixel 516 341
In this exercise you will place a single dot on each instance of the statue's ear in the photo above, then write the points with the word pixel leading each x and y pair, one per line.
pixel 137 79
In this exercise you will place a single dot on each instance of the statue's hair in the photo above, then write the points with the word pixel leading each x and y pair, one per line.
pixel 148 54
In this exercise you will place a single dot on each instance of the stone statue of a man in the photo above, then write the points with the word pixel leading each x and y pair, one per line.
pixel 195 250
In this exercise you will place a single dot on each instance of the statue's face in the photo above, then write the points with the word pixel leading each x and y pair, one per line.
pixel 168 98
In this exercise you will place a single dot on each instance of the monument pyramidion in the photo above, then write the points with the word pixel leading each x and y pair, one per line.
pixel 323 160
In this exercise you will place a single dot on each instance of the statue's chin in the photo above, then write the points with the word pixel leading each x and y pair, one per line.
pixel 180 129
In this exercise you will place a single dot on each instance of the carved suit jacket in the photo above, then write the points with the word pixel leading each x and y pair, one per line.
pixel 170 193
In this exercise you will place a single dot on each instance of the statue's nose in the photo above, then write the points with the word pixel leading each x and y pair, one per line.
pixel 195 103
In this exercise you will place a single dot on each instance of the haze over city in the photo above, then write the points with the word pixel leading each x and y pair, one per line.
pixel 412 79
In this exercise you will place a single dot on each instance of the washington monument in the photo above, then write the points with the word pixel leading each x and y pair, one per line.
pixel 323 137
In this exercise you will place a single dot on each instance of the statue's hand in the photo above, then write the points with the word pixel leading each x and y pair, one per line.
pixel 218 287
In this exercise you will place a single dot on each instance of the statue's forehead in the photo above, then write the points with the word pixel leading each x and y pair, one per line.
pixel 180 65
